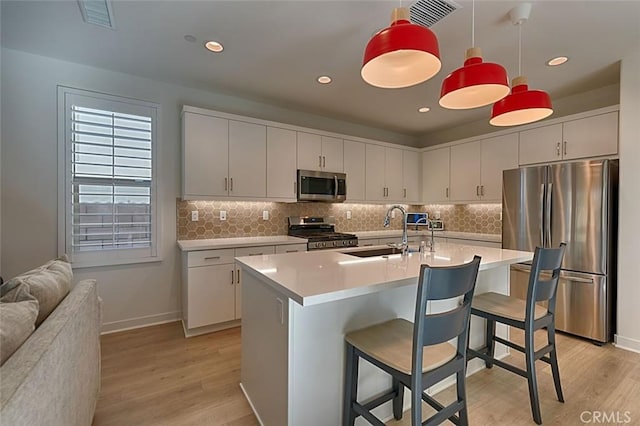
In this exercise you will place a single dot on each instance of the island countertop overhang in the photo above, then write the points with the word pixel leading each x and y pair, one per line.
pixel 311 278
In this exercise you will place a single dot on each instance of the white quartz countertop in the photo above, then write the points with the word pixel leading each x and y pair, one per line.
pixel 315 277
pixel 221 243
pixel 495 238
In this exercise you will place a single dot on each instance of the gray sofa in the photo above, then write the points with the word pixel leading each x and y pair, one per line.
pixel 54 377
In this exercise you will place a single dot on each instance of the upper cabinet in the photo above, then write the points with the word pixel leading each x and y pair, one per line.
pixel 435 175
pixel 476 167
pixel 355 168
pixel 321 153
pixel 411 176
pixel 223 158
pixel 281 164
pixel 384 174
pixel 581 138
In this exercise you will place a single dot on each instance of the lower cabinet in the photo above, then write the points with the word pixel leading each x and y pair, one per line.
pixel 291 248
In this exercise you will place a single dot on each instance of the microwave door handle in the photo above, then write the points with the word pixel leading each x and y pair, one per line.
pixel 335 188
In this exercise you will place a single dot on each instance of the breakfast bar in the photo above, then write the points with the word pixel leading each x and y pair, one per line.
pixel 297 307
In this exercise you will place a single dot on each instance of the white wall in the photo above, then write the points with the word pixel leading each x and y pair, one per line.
pixel 628 333
pixel 133 294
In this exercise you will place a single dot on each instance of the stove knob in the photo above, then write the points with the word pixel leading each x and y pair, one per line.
pixel 323 244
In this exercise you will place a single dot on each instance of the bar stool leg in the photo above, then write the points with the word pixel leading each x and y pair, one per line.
pixel 462 396
pixel 551 334
pixel 490 343
pixel 398 400
pixel 531 376
pixel 350 387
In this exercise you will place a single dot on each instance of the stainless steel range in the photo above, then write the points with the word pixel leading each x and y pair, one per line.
pixel 320 232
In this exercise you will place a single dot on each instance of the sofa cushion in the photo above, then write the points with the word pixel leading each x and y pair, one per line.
pixel 18 312
pixel 49 284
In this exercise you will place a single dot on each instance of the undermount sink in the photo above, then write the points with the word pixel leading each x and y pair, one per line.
pixel 375 252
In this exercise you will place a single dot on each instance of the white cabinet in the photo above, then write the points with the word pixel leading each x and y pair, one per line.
pixel 355 168
pixel 247 159
pixel 581 138
pixel 384 173
pixel 410 176
pixel 435 175
pixel 223 158
pixel 498 154
pixel 476 167
pixel 322 153
pixel 281 163
pixel 205 147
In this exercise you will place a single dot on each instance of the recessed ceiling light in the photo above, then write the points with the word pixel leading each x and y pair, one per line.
pixel 214 46
pixel 557 61
pixel 190 38
pixel 424 109
pixel 324 79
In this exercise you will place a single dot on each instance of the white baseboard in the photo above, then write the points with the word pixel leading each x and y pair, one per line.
pixel 251 405
pixel 627 343
pixel 133 323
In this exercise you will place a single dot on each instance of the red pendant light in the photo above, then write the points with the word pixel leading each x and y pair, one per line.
pixel 477 83
pixel 402 55
pixel 522 106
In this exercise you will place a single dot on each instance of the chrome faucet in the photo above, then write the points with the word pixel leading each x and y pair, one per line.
pixel 387 220
pixel 432 245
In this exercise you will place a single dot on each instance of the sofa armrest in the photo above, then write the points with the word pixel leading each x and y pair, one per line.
pixel 54 377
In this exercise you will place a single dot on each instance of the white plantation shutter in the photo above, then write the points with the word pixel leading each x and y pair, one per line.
pixel 110 200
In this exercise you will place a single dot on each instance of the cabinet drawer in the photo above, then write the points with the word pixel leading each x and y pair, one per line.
pixel 209 257
pixel 255 251
pixel 291 248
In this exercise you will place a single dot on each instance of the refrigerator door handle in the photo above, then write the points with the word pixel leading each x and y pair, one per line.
pixel 523 268
pixel 573 278
pixel 542 206
pixel 547 220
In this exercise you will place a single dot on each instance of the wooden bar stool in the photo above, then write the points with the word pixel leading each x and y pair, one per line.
pixel 528 316
pixel 417 355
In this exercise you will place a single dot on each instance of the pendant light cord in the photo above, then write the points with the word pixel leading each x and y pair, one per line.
pixel 519 49
pixel 473 23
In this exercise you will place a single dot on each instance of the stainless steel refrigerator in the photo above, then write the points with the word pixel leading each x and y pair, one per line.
pixel 575 203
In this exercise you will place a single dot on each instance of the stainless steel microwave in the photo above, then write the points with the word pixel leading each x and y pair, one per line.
pixel 322 186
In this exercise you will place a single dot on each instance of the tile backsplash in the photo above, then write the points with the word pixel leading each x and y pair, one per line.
pixel 244 218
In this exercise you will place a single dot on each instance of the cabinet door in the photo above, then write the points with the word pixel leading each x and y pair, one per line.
pixel 411 176
pixel 332 155
pixel 355 168
pixel 465 172
pixel 247 159
pixel 541 145
pixel 211 295
pixel 393 174
pixel 498 154
pixel 375 187
pixel 435 175
pixel 591 136
pixel 309 151
pixel 281 163
pixel 205 154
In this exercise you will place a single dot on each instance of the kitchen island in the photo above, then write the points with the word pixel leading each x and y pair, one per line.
pixel 297 308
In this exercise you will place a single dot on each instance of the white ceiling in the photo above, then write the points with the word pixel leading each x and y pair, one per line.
pixel 274 50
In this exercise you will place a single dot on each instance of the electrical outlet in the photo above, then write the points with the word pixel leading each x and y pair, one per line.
pixel 437 215
pixel 265 214
pixel 223 215
pixel 348 214
pixel 194 216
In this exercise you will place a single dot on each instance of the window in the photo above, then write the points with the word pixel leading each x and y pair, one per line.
pixel 108 202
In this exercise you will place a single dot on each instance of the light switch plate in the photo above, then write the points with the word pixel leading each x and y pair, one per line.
pixel 194 216
pixel 223 215
pixel 348 214
pixel 265 214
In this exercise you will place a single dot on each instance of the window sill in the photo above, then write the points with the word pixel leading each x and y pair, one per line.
pixel 81 264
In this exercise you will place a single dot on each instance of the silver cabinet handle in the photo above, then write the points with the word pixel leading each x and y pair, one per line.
pixel 212 258
pixel 237 276
pixel 482 190
pixel 232 277
pixel 319 160
pixel 405 193
pixel 478 190
pixel 231 184
pixel 564 147
pixel 558 149
pixel 225 184
pixel 291 251
pixel 324 161
pixel 447 191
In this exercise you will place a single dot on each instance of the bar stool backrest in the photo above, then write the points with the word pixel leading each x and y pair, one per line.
pixel 439 283
pixel 544 277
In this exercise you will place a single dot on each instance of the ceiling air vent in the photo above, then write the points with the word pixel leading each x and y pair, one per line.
pixel 429 12
pixel 97 12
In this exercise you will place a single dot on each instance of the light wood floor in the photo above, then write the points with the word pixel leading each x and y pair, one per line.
pixel 154 376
